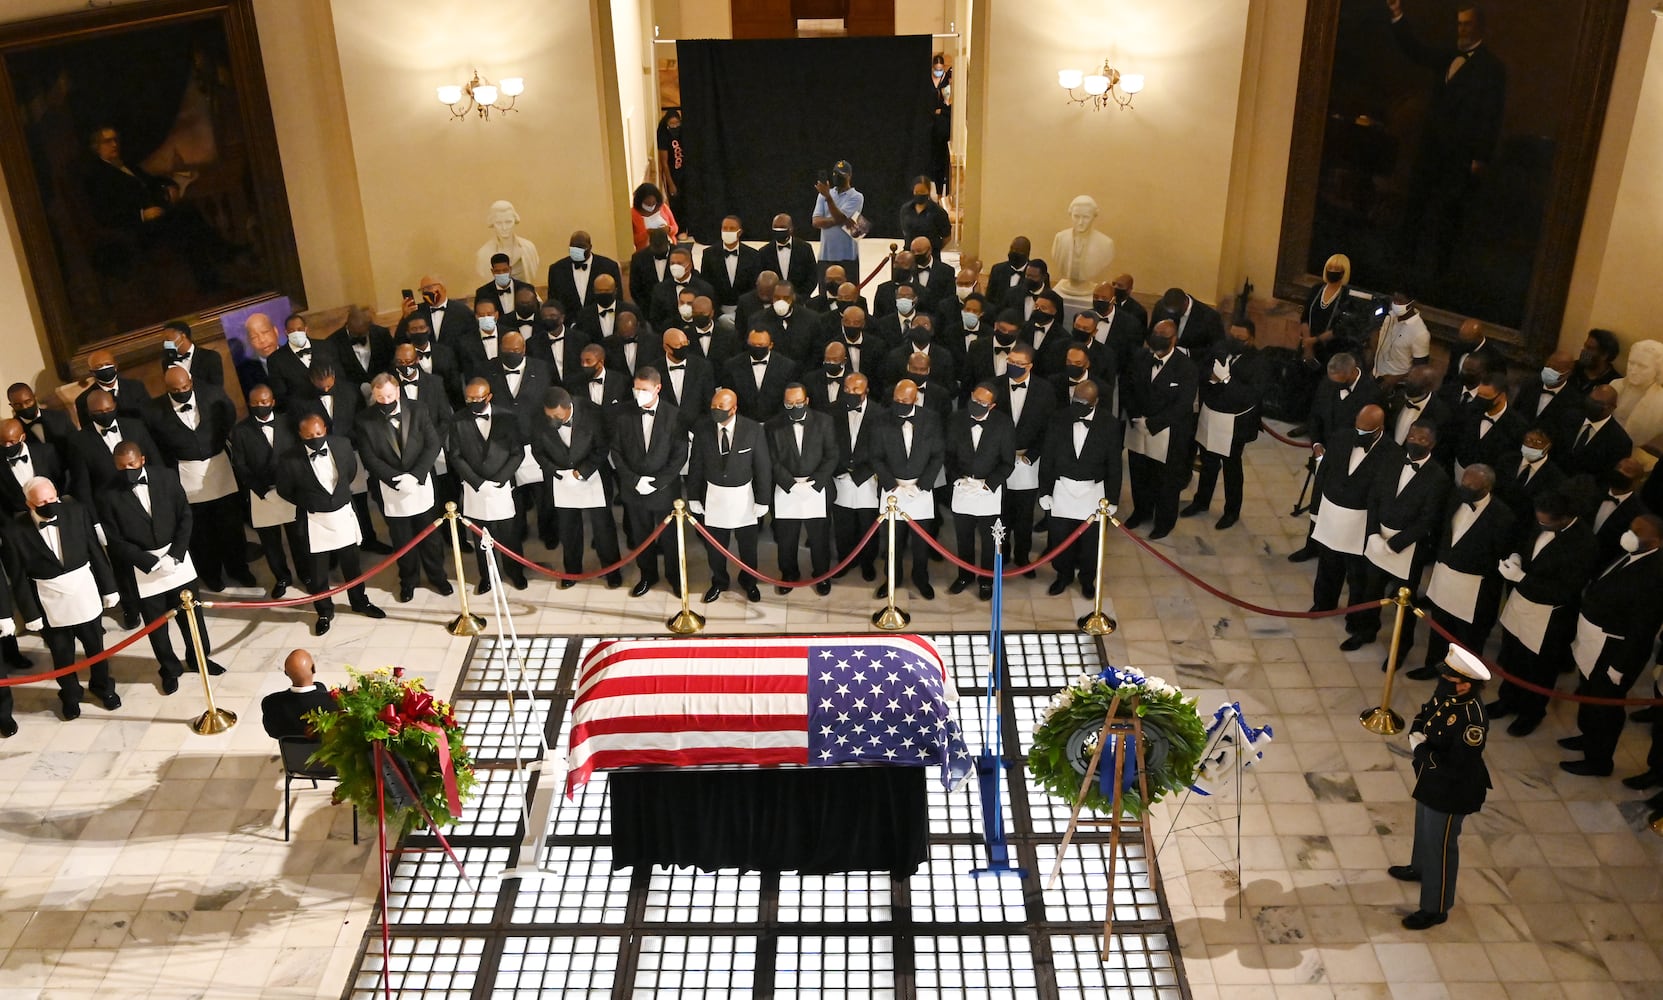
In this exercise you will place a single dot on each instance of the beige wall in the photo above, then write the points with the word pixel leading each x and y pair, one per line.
pixel 693 18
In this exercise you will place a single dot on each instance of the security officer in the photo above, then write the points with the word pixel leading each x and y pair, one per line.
pixel 1447 739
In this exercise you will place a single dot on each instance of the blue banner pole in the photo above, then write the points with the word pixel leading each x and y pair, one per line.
pixel 990 764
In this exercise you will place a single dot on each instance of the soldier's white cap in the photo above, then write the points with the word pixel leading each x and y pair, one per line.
pixel 1466 664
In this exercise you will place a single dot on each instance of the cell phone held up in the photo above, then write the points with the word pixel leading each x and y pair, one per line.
pixel 408 294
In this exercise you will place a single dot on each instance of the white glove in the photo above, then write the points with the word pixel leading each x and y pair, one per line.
pixel 1510 570
pixel 1415 740
pixel 695 507
pixel 111 600
pixel 34 626
pixel 980 485
pixel 803 479
pixel 1114 509
pixel 404 481
pixel 760 510
pixel 643 485
pixel 8 628
pixel 963 483
pixel 166 564
pixel 1045 503
pixel 1373 545
pixel 1220 373
pixel 1615 675
pixel 98 529
pixel 575 474
pixel 1023 459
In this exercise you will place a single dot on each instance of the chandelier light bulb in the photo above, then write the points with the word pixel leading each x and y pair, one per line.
pixel 485 94
pixel 1068 79
pixel 450 94
pixel 1097 85
pixel 513 86
pixel 1131 83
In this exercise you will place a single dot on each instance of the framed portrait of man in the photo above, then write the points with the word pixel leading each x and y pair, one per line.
pixel 139 152
pixel 1447 148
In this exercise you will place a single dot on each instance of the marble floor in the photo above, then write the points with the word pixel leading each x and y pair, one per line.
pixel 141 860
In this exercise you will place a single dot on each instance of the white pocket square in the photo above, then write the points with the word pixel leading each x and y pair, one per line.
pixel 742 451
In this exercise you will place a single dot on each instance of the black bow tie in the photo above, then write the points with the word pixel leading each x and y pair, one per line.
pixel 581 267
pixel 1001 350
pixel 759 364
pixel 730 253
pixel 181 358
pixel 677 368
pixel 112 429
pixel 1414 466
pixel 511 371
pixel 183 407
pixel 19 460
pixel 360 341
pixel 43 525
pixel 1085 422
pixel 141 481
pixel 487 336
pixel 303 352
pixel 606 312
pixel 424 354
pixel 1018 386
pixel 556 340
pixel 483 416
pixel 321 453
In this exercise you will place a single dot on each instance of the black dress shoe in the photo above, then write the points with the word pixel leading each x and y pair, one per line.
pixel 1137 519
pixel 882 591
pixel 1419 673
pixel 518 582
pixel 1355 642
pixel 19 662
pixel 1031 574
pixel 711 595
pixel 958 585
pixel 984 592
pixel 752 594
pixel 369 610
pixel 869 573
pixel 242 578
pixel 782 591
pixel 614 581
pixel 1643 780
pixel 1420 920
pixel 1404 873
pixel 1227 521
pixel 321 626
pixel 1524 726
pixel 482 587
pixel 1058 586
pixel 8 729
pixel 214 669
pixel 565 584
pixel 1497 710
pixel 925 591
pixel 1305 554
pixel 110 701
pixel 1645 714
pixel 823 588
pixel 213 583
pixel 405 594
pixel 130 621
pixel 72 710
pixel 1160 533
pixel 442 588
pixel 1571 742
pixel 376 546
pixel 278 589
pixel 170 684
pixel 1193 509
pixel 1586 768
pixel 641 588
pixel 1088 590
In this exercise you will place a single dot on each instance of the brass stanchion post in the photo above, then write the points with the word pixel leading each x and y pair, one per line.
pixel 214 720
pixel 1381 720
pixel 466 623
pixel 891 618
pixel 1097 623
pixel 686 621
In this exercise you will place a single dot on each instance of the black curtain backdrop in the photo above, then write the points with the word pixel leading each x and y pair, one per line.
pixel 761 118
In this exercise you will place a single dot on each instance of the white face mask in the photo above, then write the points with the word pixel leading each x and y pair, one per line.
pixel 644 397
pixel 1532 455
pixel 1630 542
pixel 729 238
pixel 502 280
pixel 487 324
pixel 1399 308
pixel 781 307
pixel 904 306
pixel 298 341
pixel 1551 378
pixel 964 291
pixel 686 310
pixel 678 271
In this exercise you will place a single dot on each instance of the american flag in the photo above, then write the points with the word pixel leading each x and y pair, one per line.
pixel 766 701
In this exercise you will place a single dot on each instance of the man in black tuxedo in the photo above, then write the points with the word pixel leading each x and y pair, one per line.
pixel 1030 402
pixel 1405 514
pixel 1035 288
pixel 759 377
pixel 687 377
pixel 900 276
pixel 1496 433
pixel 1081 467
pixel 795 330
pixel 1234 379
pixel 906 454
pixel 147 525
pixel 1526 474
pixel 606 388
pixel 1621 601
pixel 503 286
pixel 1415 400
pixel 419 387
pixel 48 427
pixel 554 341
pixel 572 278
pixel 1123 285
pixel 667 297
pixel 447 321
pixel 988 355
pixel 756 301
pixel 932 277
pixel 1549 573
pixel 1464 591
pixel 205 367
pixel 709 335
pixel 1338 400
pixel 1120 328
pixel 1042 329
pixel 934 395
pixel 803 447
pixel 648 451
pixel 1472 357
pixel 316 476
pixel 825 384
pixel 729 485
pixel 1617 507
pixel 399 444
pixel 789 258
pixel 918 337
pixel 570 443
pixel 26 459
pixel 129 394
pixel 1200 328
pixel 1160 400
pixel 825 298
pixel 855 502
pixel 191 425
pixel 339 404
pixel 256 444
pixel 1599 441
pixel 981 452
pixel 599 319
pixel 1458 140
pixel 632 346
pixel 92 472
pixel 1005 279
pixel 62 582
pixel 288 367
pixel 649 267
pixel 485 447
pixel 470 354
pixel 864 349
pixel 522 316
pixel 1547 400
pixel 522 382
pixel 731 268
pixel 434 362
pixel 363 349
pixel 1078 355
pixel 283 713
pixel 1355 460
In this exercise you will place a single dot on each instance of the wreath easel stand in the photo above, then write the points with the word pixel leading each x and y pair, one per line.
pixel 1121 732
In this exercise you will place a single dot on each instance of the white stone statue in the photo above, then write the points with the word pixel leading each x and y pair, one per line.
pixel 522 253
pixel 1640 399
pixel 1080 255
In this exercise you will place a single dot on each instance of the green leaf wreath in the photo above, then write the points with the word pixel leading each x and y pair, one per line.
pixel 1173 736
pixel 386 707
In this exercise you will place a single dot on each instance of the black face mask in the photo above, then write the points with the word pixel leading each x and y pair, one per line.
pixel 720 415
pixel 899 275
pixel 1042 320
pixel 107 374
pixel 49 510
pixel 921 338
pixel 314 444
pixel 921 263
pixel 1017 260
pixel 1121 295
pixel 797 413
pixel 14 450
pixel 605 299
pixel 104 419
pixel 422 342
pixel 1015 371
pixel 598 371
pixel 1416 452
pixel 132 476
pixel 782 236
pixel 852 333
pixel 29 414
pixel 902 411
pixel 757 351
pixel 833 372
pixel 551 326
pixel 979 410
pixel 853 402
pixel 1159 345
pixel 409 372
pixel 262 412
pixel 1469 380
pixel 1468 495
pixel 1035 286
pixel 831 288
pixel 511 359
pixel 922 382
pixel 1235 346
pixel 672 353
pixel 1074 372
pixel 1079 410
pixel 1335 276
pixel 701 321
pixel 181 397
pixel 479 407
pixel 1101 306
pixel 524 312
pixel 1083 336
pixel 388 408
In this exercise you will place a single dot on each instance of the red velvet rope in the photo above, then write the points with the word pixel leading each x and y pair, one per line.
pixel 159 621
pixel 1056 550
pixel 1283 437
pixel 888 259
pixel 1497 670
pixel 293 602
pixel 623 561
pixel 1238 602
pixel 848 560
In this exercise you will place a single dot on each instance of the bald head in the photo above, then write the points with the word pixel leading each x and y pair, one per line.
pixel 1370 419
pixel 299 668
pixel 177 380
pixel 1472 331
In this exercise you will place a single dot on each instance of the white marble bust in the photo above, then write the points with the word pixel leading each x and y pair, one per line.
pixel 1080 255
pixel 1640 398
pixel 522 253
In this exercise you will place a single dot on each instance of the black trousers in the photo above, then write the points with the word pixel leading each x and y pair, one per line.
pixel 919 549
pixel 271 543
pixel 1654 756
pixel 509 534
pixel 603 532
pixel 641 518
pixel 60 643
pixel 217 539
pixel 1541 669
pixel 974 535
pixel 1380 583
pixel 361 508
pixel 787 532
pixel 849 524
pixel 1079 558
pixel 1211 463
pixel 318 572
pixel 428 557
pixel 1473 635
pixel 747 537
pixel 1336 570
pixel 167 661
pixel 1155 488
pixel 1018 513
pixel 1602 725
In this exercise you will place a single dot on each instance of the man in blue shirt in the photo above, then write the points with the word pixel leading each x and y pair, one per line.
pixel 838 206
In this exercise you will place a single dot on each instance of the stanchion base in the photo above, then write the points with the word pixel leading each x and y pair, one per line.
pixel 891 619
pixel 216 721
pixel 1381 721
pixel 1097 623
pixel 685 622
pixel 466 625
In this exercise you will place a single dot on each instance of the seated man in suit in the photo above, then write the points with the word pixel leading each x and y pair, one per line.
pixel 284 713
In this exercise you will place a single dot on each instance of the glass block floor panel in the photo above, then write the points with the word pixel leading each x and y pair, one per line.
pixel 577 929
pixel 493 670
